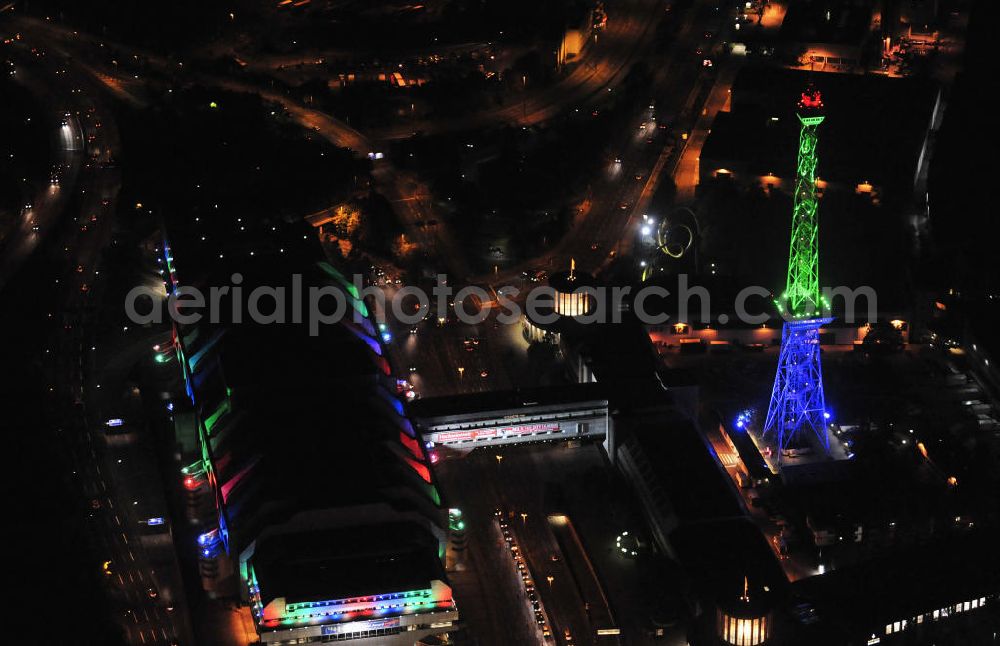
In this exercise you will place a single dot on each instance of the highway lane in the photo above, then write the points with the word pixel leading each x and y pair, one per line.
pixel 100 471
pixel 629 33
pixel 66 142
pixel 78 42
pixel 519 482
pixel 498 610
pixel 525 480
pixel 479 483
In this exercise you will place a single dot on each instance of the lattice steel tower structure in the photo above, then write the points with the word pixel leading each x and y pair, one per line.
pixel 797 402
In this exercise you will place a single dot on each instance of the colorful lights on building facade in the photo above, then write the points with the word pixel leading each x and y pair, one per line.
pixel 195 351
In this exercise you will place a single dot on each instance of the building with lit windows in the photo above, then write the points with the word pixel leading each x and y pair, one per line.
pixel 745 621
pixel 571 292
pixel 574 294
pixel 831 36
pixel 546 414
pixel 942 592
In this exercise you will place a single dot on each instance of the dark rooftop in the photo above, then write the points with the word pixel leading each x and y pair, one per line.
pixel 471 403
pixel 718 554
pixel 694 484
pixel 749 454
pixel 561 281
pixel 346 562
pixel 624 361
pixel 314 424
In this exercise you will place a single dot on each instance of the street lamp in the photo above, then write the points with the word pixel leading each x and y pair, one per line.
pixel 461 372
pixel 550 579
pixel 524 517
pixel 499 458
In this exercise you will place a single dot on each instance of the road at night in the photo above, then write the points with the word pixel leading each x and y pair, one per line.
pixel 111 477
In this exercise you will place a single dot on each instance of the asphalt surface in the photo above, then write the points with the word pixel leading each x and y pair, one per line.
pixel 564 522
pixel 135 564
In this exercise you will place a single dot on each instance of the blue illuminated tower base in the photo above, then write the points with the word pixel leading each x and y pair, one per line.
pixel 797 403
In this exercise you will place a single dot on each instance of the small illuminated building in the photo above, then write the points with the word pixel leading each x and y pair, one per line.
pixel 736 578
pixel 745 622
pixel 572 297
pixel 539 332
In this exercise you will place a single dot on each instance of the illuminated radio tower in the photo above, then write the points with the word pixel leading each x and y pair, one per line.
pixel 797 402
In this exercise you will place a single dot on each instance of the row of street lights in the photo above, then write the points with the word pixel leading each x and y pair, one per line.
pixel 524 518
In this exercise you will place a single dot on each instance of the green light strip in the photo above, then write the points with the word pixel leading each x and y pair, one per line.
pixel 802 286
pixel 224 407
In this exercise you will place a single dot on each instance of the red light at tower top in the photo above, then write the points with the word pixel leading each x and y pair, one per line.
pixel 811 100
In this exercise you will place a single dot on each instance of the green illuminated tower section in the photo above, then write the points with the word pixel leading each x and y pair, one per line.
pixel 802 293
pixel 798 407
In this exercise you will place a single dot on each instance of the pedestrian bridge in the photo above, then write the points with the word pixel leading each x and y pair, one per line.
pixel 554 413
